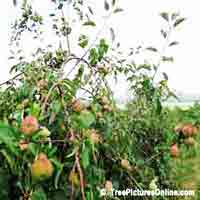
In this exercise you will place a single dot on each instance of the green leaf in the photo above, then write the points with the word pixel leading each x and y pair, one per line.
pixel 164 33
pixel 8 158
pixel 85 119
pixel 72 153
pixel 112 33
pixel 102 49
pixel 83 41
pixel 106 5
pixel 60 6
pixel 167 59
pixel 165 76
pixel 85 157
pixel 14 2
pixel 144 66
pixel 113 2
pixel 33 148
pixel 57 177
pixel 7 133
pixel 179 21
pixel 35 109
pixel 174 16
pixel 93 56
pixel 39 194
pixel 56 107
pixel 89 23
pixel 152 49
pixel 165 16
pixel 158 106
pixel 173 43
pixel 59 195
pixel 52 14
pixel 90 10
pixel 117 10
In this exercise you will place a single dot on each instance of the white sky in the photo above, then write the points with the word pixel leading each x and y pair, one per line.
pixel 139 23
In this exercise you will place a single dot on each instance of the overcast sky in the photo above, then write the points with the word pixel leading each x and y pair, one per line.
pixel 139 24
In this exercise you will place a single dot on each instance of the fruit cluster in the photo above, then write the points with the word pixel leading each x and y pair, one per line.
pixel 42 167
pixel 186 133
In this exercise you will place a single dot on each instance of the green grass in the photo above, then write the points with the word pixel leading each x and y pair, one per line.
pixel 186 168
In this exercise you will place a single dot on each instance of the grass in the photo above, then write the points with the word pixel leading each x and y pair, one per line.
pixel 186 169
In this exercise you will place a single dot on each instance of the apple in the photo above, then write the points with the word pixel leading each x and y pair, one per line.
pixel 174 150
pixel 29 125
pixel 189 130
pixel 126 165
pixel 41 168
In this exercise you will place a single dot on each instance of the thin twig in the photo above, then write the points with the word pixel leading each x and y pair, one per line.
pixel 72 193
pixel 81 175
pixel 12 79
pixel 42 141
pixel 152 157
pixel 48 95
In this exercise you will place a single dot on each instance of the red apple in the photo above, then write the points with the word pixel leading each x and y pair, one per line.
pixel 41 168
pixel 174 150
pixel 29 125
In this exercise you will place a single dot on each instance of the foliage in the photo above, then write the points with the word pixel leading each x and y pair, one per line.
pixel 82 132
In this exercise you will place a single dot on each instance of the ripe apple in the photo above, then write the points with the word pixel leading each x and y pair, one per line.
pixel 189 130
pixel 126 165
pixel 41 168
pixel 29 125
pixel 174 150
